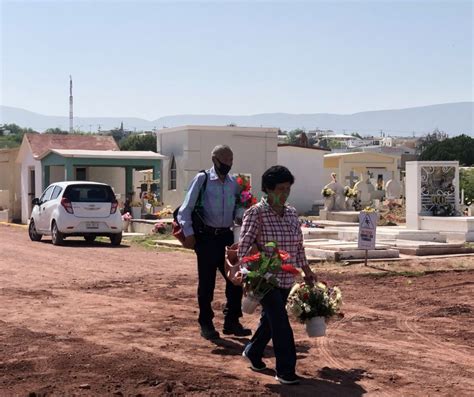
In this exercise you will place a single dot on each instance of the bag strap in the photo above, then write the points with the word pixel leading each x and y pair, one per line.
pixel 259 233
pixel 202 189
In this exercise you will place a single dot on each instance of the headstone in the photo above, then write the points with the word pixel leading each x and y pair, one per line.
pixel 365 190
pixel 393 189
pixel 339 198
pixel 432 189
pixel 352 178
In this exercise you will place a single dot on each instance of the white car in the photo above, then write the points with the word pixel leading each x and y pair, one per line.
pixel 87 209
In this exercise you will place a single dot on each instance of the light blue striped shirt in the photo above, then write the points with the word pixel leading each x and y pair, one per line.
pixel 218 201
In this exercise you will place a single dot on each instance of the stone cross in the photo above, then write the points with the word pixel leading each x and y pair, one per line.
pixel 352 179
pixel 148 180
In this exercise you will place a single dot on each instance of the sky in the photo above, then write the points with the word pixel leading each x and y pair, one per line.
pixel 150 59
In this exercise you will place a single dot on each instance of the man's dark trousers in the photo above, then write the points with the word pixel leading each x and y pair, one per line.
pixel 210 251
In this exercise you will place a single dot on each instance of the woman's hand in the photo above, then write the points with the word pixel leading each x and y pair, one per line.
pixel 309 276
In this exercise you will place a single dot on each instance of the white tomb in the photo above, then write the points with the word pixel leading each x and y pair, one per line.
pixel 432 195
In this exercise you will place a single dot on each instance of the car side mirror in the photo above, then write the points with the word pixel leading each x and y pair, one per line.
pixel 35 201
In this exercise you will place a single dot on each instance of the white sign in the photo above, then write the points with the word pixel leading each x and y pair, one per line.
pixel 367 228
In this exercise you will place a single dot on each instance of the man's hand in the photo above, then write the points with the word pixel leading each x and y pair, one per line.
pixel 189 242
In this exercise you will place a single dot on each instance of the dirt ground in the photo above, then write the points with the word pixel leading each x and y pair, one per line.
pixel 93 320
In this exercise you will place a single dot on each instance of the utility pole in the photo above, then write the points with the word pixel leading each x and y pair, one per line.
pixel 71 130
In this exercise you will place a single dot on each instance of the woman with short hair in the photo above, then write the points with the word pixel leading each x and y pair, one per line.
pixel 273 220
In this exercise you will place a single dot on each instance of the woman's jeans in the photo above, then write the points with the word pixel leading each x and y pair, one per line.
pixel 274 324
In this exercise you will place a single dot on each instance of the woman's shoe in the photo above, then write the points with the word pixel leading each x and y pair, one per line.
pixel 255 365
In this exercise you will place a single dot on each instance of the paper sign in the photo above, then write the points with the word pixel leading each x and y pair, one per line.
pixel 367 229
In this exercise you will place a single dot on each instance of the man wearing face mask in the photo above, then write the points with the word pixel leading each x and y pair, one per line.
pixel 209 242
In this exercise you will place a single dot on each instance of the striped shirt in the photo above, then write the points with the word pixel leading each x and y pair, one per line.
pixel 284 230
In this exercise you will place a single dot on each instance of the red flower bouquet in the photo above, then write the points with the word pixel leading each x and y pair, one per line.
pixel 245 198
pixel 259 270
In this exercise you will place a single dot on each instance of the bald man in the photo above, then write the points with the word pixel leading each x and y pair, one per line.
pixel 219 191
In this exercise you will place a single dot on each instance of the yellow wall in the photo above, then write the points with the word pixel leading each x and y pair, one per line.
pixel 10 180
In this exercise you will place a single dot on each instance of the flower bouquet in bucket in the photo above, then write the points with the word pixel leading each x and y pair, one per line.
pixel 259 273
pixel 245 199
pixel 126 218
pixel 313 305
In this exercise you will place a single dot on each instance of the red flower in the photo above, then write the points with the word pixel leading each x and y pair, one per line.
pixel 290 269
pixel 254 200
pixel 252 258
pixel 284 256
pixel 240 181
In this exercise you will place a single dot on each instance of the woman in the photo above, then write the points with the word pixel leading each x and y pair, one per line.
pixel 273 220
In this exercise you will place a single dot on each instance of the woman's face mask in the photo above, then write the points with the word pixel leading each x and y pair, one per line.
pixel 280 194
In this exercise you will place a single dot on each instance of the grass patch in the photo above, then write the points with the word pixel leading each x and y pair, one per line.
pixel 149 242
pixel 393 273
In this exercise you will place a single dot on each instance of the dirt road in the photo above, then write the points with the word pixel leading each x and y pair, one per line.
pixel 89 319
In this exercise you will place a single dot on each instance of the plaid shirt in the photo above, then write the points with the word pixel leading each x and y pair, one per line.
pixel 285 231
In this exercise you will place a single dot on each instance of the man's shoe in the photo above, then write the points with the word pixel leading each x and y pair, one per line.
pixel 288 379
pixel 236 329
pixel 209 332
pixel 255 365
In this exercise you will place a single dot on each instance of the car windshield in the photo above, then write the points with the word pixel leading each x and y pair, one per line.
pixel 85 193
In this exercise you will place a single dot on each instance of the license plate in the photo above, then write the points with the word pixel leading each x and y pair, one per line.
pixel 92 225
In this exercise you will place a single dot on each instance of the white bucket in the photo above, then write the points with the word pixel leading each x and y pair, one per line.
pixel 249 304
pixel 316 327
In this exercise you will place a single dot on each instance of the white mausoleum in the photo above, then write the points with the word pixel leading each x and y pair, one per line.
pixel 189 148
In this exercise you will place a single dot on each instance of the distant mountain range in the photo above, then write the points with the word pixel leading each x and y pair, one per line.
pixel 453 118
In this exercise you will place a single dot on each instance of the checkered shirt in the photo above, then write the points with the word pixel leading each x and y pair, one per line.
pixel 285 231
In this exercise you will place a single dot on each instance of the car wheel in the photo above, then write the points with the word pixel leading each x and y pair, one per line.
pixel 56 236
pixel 33 233
pixel 116 239
pixel 89 238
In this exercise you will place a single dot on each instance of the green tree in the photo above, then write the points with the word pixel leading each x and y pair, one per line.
pixel 292 137
pixel 57 131
pixel 139 142
pixel 459 148
pixel 428 140
pixel 119 134
pixel 15 136
pixel 466 182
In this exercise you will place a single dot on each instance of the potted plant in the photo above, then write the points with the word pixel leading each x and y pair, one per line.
pixel 136 207
pixel 166 212
pixel 350 195
pixel 155 205
pixel 313 305
pixel 126 218
pixel 160 228
pixel 328 195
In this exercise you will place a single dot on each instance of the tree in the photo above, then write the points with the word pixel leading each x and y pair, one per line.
pixel 435 136
pixel 459 148
pixel 119 134
pixel 57 131
pixel 15 136
pixel 466 182
pixel 292 137
pixel 139 142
